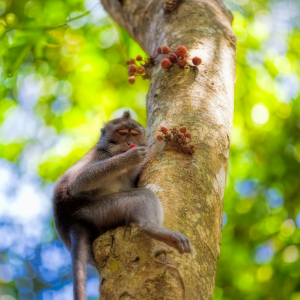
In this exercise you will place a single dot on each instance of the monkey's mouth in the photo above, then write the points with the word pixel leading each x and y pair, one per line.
pixel 129 146
pixel 132 146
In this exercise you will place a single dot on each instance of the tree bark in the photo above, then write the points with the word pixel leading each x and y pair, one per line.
pixel 191 187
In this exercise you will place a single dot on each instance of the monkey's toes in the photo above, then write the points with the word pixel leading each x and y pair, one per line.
pixel 182 243
pixel 186 244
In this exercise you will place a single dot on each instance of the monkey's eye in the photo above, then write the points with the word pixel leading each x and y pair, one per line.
pixel 123 132
pixel 134 133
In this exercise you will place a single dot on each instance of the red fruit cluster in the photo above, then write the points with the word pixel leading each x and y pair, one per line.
pixel 134 69
pixel 177 139
pixel 179 56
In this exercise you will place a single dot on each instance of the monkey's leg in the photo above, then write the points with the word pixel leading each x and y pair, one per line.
pixel 147 212
pixel 140 206
pixel 80 249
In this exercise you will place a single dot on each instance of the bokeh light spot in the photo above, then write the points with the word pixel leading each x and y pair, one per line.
pixel 259 28
pixel 287 228
pixel 290 254
pixel 282 64
pixel 272 224
pixel 264 254
pixel 264 273
pixel 245 187
pixel 54 257
pixel 274 197
pixel 260 114
pixel 246 281
pixel 108 37
pixel 11 19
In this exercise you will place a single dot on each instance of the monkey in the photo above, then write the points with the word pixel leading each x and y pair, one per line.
pixel 99 192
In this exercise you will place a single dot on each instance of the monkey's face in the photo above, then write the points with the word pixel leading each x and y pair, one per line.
pixel 117 135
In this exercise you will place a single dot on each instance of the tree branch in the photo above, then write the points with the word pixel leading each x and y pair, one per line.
pixel 52 27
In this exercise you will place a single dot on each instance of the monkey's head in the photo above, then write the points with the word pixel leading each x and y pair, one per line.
pixel 118 134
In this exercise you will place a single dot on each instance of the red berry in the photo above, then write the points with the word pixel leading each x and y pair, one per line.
pixel 165 50
pixel 182 62
pixel 132 61
pixel 139 58
pixel 165 63
pixel 189 136
pixel 181 51
pixel 160 137
pixel 128 62
pixel 163 129
pixel 183 129
pixel 140 70
pixel 131 80
pixel 131 70
pixel 197 61
pixel 173 57
pixel 159 50
pixel 130 73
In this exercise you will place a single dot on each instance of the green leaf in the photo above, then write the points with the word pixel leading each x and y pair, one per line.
pixel 52 40
pixel 3 45
pixel 16 53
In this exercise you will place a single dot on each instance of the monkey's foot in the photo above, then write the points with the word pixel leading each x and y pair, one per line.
pixel 171 238
pixel 179 242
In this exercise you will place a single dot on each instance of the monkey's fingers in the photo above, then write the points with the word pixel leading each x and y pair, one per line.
pixel 179 246
pixel 180 243
pixel 187 245
pixel 183 245
pixel 142 148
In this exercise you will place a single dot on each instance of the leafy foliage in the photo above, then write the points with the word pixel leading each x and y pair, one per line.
pixel 63 74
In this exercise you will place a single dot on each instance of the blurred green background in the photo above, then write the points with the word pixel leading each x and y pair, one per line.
pixel 59 83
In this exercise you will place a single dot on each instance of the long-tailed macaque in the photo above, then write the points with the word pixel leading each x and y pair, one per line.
pixel 99 192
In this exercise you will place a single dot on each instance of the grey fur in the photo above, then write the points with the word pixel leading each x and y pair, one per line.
pixel 100 192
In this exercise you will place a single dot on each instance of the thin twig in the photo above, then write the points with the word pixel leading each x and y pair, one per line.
pixel 53 27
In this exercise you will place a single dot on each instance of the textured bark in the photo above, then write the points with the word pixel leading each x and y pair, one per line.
pixel 191 188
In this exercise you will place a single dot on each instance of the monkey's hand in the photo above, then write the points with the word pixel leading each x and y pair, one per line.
pixel 135 155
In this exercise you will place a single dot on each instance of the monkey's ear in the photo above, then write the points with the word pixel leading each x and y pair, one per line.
pixel 126 115
pixel 103 131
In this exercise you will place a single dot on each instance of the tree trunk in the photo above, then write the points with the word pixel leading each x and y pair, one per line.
pixel 191 187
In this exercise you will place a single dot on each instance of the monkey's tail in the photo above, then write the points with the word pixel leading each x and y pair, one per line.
pixel 80 244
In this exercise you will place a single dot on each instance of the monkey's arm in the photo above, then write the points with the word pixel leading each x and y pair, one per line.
pixel 90 174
